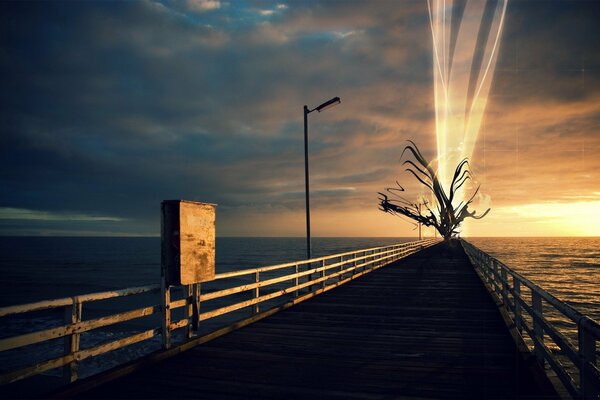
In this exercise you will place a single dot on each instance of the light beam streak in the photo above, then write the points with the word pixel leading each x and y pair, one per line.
pixel 466 37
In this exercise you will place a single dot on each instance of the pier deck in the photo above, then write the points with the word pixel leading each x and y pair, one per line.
pixel 424 326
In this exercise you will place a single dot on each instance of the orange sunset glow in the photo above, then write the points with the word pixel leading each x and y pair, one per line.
pixel 115 120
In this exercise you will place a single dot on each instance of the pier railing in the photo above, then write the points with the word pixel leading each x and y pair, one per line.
pixel 575 365
pixel 238 298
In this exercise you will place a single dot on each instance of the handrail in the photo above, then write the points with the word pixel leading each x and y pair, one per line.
pixel 67 301
pixel 586 382
pixel 308 277
pixel 251 271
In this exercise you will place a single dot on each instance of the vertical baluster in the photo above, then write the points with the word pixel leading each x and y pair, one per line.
pixel 496 268
pixel 376 256
pixel 504 287
pixel 296 270
pixel 517 296
pixel 188 310
pixel 197 289
pixel 72 316
pixel 323 273
pixel 310 277
pixel 256 308
pixel 166 314
pixel 538 330
pixel 587 351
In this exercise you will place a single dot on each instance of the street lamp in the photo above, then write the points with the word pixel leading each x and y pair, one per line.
pixel 322 107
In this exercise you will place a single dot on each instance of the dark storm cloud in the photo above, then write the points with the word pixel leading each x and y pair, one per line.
pixel 546 46
pixel 107 108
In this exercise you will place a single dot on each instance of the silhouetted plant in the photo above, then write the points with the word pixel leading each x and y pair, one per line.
pixel 442 215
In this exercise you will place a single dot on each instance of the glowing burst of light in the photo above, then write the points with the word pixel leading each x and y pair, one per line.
pixel 466 37
pixel 544 219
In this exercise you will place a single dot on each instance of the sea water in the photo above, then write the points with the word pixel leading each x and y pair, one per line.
pixel 566 267
pixel 40 268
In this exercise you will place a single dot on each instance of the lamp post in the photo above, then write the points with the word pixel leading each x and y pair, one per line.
pixel 327 104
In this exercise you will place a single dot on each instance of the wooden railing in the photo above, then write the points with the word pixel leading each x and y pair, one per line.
pixel 229 293
pixel 529 307
pixel 72 329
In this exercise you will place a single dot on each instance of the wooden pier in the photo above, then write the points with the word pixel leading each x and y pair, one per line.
pixel 422 327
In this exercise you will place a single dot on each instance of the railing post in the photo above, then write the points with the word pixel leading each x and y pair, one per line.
pixel 166 314
pixel 538 330
pixel 72 316
pixel 493 273
pixel 516 297
pixel 496 268
pixel 587 351
pixel 256 308
pixel 323 274
pixel 310 277
pixel 489 270
pixel 375 259
pixel 188 310
pixel 196 288
pixel 296 270
pixel 504 287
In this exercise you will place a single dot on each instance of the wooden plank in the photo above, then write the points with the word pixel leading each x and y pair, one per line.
pixel 116 344
pixel 250 271
pixel 77 356
pixel 179 324
pixel 178 303
pixel 35 369
pixel 37 306
pixel 282 292
pixel 422 327
pixel 376 258
pixel 48 304
pixel 72 316
pixel 80 327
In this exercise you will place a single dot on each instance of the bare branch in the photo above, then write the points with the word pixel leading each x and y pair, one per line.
pixel 446 218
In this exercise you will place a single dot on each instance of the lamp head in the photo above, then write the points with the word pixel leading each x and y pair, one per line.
pixel 329 103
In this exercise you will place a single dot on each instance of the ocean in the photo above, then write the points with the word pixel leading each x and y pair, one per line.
pixel 566 267
pixel 40 268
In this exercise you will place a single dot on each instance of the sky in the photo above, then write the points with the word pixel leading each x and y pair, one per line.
pixel 108 108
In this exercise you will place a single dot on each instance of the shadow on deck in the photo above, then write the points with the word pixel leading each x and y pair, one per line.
pixel 424 326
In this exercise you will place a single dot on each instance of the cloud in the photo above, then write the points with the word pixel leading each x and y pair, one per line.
pixel 8 213
pixel 108 108
pixel 203 5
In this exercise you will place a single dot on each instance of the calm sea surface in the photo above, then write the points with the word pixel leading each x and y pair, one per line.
pixel 38 268
pixel 569 268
